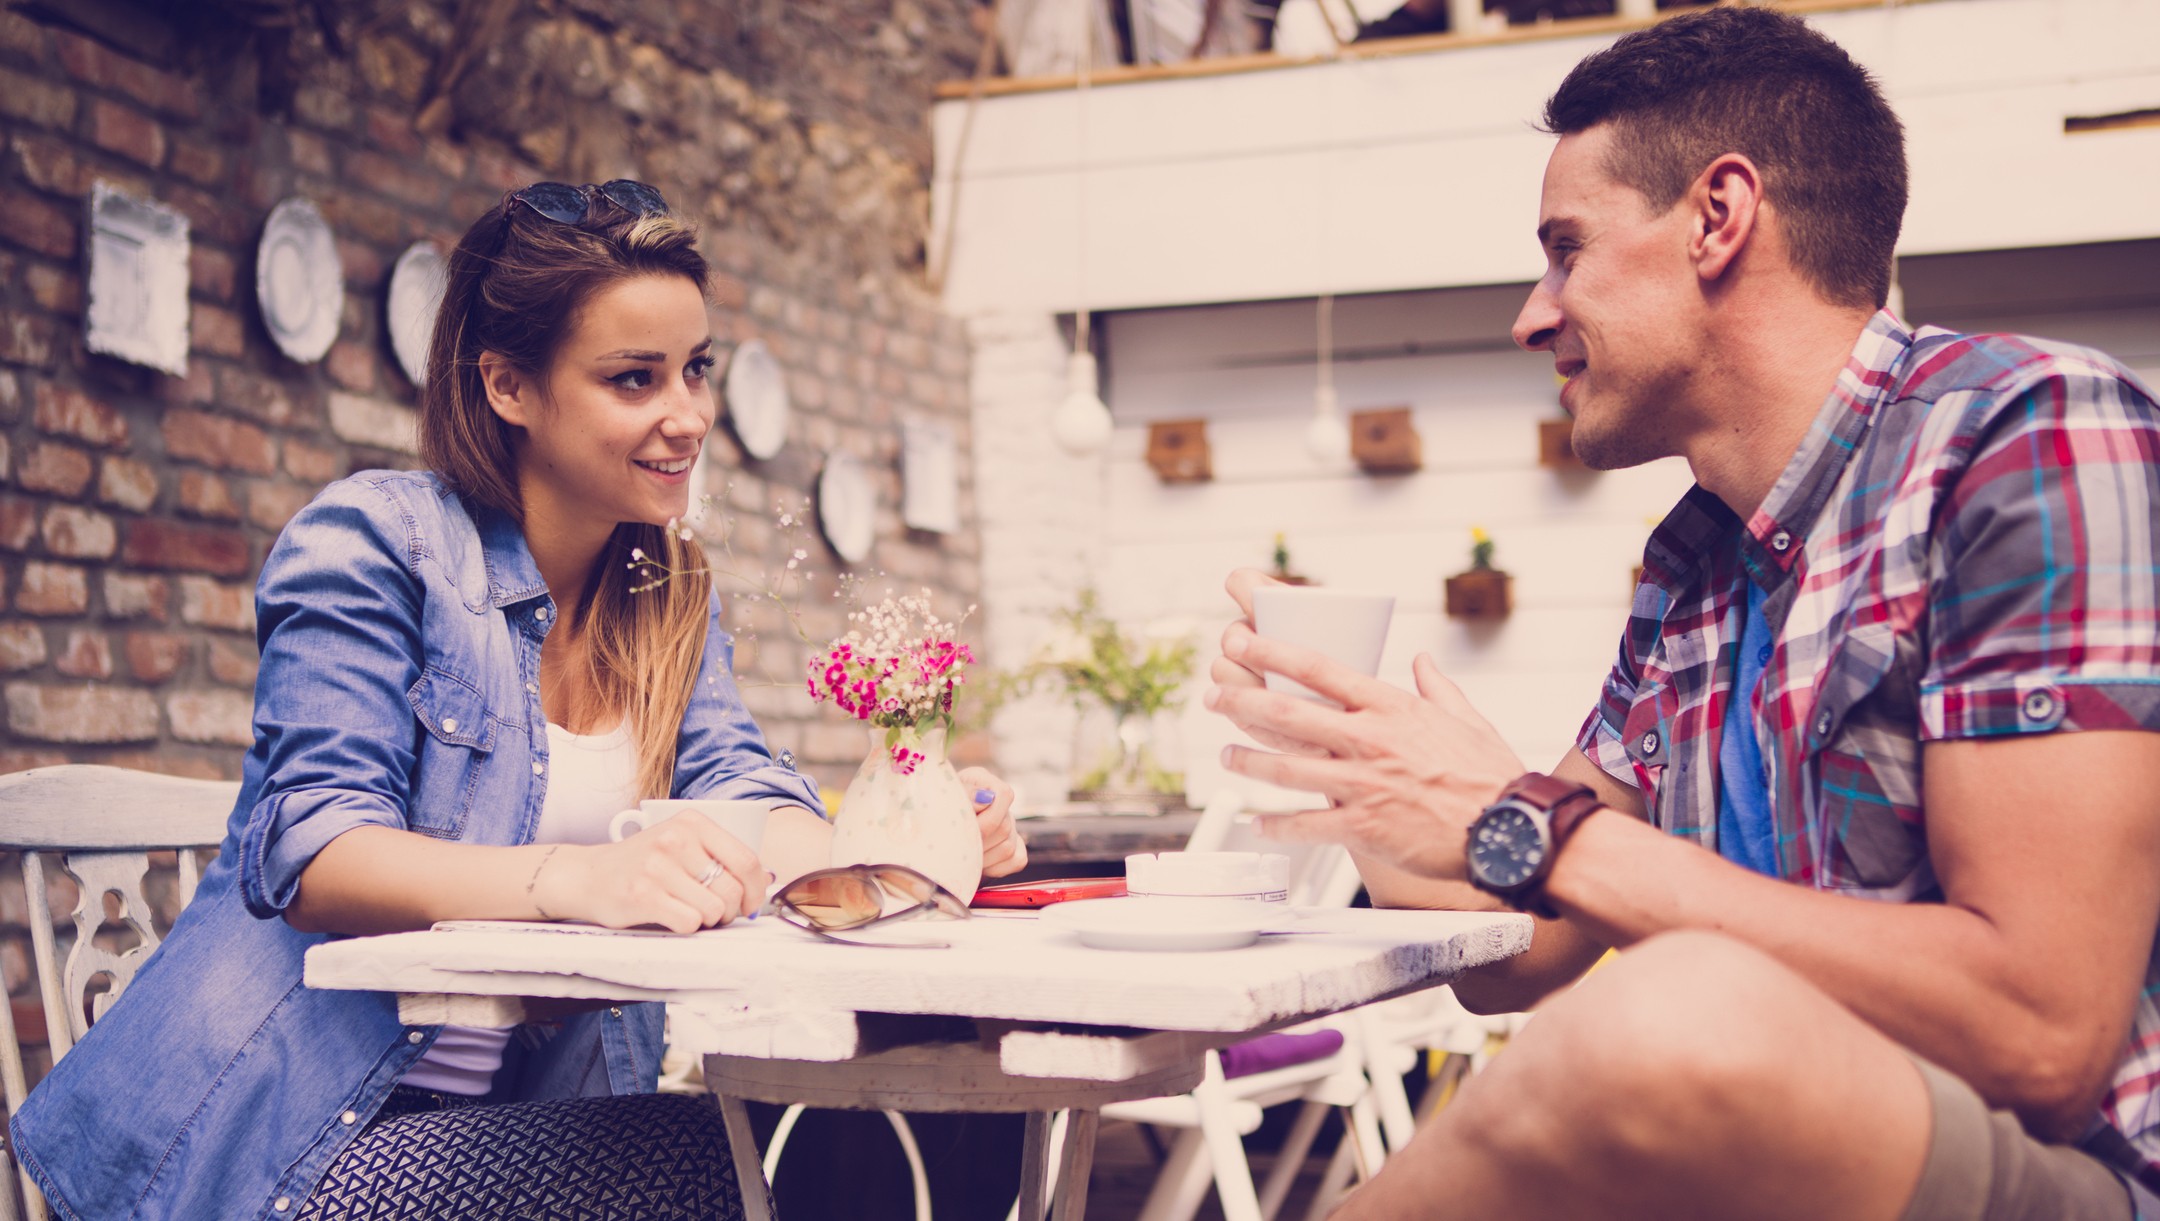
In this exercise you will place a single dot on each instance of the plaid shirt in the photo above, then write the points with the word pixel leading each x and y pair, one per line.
pixel 1964 546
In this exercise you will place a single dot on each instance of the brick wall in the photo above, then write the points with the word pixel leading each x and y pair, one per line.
pixel 136 508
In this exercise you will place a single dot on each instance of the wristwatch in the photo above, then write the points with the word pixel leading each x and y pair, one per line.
pixel 1513 842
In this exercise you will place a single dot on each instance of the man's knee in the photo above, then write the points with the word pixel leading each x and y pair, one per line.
pixel 1676 1034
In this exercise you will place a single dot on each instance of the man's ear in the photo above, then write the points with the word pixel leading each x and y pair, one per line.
pixel 510 393
pixel 1726 201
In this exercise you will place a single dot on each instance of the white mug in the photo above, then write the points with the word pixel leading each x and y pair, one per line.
pixel 745 820
pixel 1345 626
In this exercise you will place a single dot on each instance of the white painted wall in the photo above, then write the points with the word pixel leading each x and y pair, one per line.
pixel 1397 177
pixel 1570 540
pixel 1421 170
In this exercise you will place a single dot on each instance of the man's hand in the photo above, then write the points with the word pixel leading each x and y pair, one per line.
pixel 1231 675
pixel 1405 773
pixel 1004 852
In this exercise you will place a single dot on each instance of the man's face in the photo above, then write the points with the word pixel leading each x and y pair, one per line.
pixel 1619 308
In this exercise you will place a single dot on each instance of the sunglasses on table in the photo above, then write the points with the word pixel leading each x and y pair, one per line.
pixel 569 205
pixel 848 898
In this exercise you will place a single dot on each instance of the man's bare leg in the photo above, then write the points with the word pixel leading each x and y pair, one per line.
pixel 1692 1076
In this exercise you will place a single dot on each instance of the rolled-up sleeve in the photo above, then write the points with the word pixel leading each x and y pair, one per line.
pixel 338 613
pixel 2044 590
pixel 722 753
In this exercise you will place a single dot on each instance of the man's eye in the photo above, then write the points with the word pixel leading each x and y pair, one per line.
pixel 634 379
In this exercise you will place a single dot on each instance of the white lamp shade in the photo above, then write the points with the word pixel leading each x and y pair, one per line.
pixel 1327 437
pixel 1081 423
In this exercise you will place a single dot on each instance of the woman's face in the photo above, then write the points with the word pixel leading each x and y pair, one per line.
pixel 625 409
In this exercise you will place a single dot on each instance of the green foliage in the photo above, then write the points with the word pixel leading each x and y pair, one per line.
pixel 1095 661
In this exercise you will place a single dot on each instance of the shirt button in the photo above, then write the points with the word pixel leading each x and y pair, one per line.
pixel 349 1118
pixel 449 724
pixel 413 1036
pixel 1780 541
pixel 541 613
pixel 1649 743
pixel 1822 723
pixel 539 769
pixel 614 1012
pixel 532 689
pixel 2039 706
pixel 282 1203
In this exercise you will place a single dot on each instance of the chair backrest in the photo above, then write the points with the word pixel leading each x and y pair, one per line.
pixel 102 824
pixel 1321 875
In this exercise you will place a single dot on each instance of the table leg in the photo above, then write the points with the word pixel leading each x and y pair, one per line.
pixel 749 1171
pixel 1034 1166
pixel 1078 1163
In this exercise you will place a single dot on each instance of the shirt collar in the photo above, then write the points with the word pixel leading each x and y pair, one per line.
pixel 1701 525
pixel 1772 540
pixel 512 574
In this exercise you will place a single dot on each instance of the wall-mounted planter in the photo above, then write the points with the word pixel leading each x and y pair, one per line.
pixel 1178 451
pixel 1481 593
pixel 1383 441
pixel 1556 447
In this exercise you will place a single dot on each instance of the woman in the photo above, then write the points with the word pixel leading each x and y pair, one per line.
pixel 459 687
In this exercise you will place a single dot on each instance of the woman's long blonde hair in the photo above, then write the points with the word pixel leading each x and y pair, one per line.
pixel 516 283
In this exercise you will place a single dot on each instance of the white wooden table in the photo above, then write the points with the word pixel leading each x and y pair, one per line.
pixel 1015 1016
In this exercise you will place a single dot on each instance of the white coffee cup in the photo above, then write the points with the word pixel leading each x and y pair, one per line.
pixel 745 820
pixel 1343 625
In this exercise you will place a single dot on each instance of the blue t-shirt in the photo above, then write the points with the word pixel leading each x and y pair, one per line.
pixel 1746 835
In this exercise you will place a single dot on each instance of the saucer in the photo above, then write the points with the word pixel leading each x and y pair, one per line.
pixel 1163 924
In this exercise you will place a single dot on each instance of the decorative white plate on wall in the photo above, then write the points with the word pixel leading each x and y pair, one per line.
pixel 298 280
pixel 847 506
pixel 757 399
pixel 414 298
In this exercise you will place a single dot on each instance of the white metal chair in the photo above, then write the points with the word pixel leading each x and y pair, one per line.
pixel 1221 1111
pixel 102 823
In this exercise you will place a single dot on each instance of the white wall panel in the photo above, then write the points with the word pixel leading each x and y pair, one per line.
pixel 1421 170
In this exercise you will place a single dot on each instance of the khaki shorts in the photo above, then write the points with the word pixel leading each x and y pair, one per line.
pixel 1981 1166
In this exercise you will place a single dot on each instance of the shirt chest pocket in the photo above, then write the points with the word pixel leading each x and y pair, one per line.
pixel 1862 765
pixel 455 738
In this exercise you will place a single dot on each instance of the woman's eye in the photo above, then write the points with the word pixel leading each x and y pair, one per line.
pixel 697 369
pixel 634 379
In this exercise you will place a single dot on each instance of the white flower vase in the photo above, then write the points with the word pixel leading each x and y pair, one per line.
pixel 923 818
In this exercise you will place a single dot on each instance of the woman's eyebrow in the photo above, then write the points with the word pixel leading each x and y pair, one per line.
pixel 704 345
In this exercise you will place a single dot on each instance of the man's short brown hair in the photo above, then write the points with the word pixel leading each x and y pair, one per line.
pixel 1762 84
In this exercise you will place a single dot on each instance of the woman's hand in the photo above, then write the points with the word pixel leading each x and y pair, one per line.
pixel 683 875
pixel 1004 852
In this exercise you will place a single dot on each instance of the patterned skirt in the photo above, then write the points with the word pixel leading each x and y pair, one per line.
pixel 652 1157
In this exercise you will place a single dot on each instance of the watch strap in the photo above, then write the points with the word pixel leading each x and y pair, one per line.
pixel 1565 804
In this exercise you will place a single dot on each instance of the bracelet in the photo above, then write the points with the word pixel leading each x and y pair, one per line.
pixel 533 881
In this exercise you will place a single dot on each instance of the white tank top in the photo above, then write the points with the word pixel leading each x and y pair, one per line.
pixel 593 777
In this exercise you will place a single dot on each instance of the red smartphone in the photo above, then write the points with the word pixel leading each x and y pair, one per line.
pixel 1048 891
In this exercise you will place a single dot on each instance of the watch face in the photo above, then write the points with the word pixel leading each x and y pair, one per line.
pixel 1506 847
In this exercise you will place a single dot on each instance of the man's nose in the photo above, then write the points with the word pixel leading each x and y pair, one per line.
pixel 1539 320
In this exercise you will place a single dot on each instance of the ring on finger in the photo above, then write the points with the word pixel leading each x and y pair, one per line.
pixel 711 871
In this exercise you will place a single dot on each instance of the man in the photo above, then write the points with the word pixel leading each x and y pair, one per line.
pixel 1873 797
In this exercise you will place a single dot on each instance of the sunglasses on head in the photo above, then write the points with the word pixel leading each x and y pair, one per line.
pixel 569 205
pixel 852 897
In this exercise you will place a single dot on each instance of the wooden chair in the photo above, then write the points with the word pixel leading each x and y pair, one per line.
pixel 102 823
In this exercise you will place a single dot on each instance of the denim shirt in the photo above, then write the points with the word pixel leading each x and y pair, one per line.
pixel 400 632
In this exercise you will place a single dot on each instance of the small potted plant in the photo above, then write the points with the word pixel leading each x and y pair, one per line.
pixel 1484 591
pixel 1281 571
pixel 1122 685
